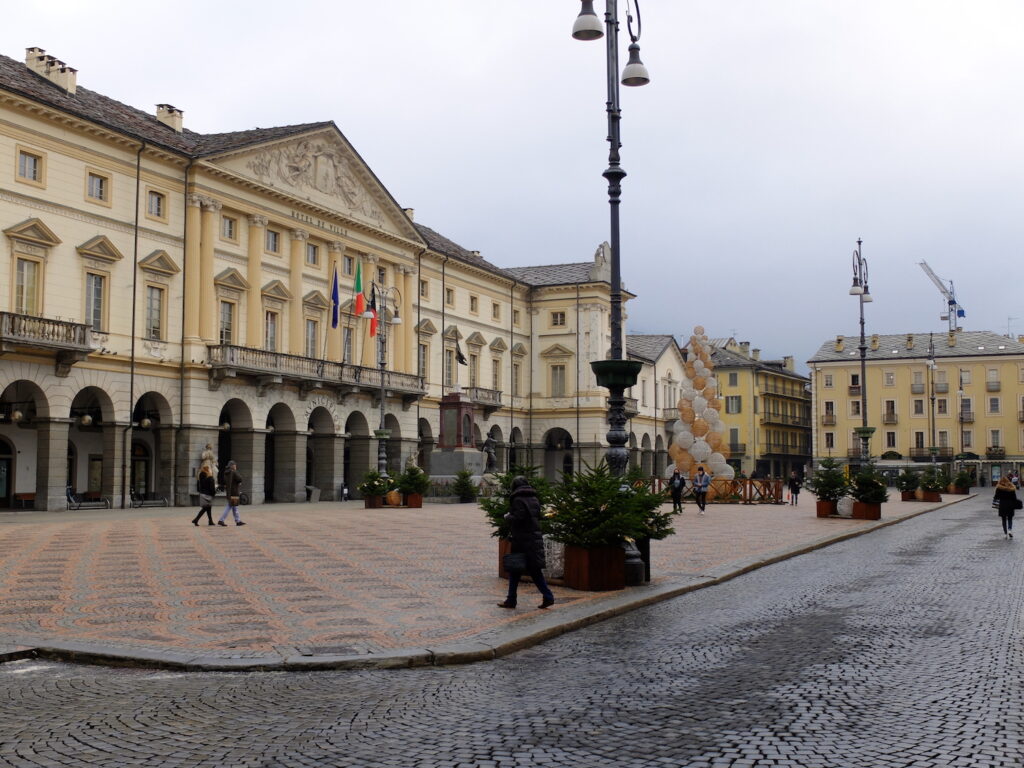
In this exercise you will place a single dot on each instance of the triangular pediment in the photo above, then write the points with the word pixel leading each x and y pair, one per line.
pixel 519 349
pixel 100 247
pixel 33 231
pixel 451 332
pixel 557 350
pixel 499 345
pixel 232 278
pixel 275 290
pixel 316 300
pixel 426 328
pixel 476 339
pixel 159 262
pixel 323 168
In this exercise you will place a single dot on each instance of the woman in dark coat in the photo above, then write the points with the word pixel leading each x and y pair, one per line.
pixel 1006 497
pixel 524 518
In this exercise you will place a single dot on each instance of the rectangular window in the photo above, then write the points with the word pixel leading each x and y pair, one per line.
pixel 995 438
pixel 26 287
pixel 154 312
pixel 273 241
pixel 97 187
pixel 312 255
pixel 854 379
pixel 229 228
pixel 558 381
pixel 890 439
pixel 943 439
pixel 643 391
pixel 889 378
pixel 828 379
pixel 474 366
pixel 270 331
pixel 515 379
pixel 312 332
pixel 919 440
pixel 382 275
pixel 156 204
pixel 940 377
pixel 227 322
pixel 992 374
pixel 421 361
pixel 855 407
pixel 95 293
pixel 993 405
pixel 965 376
pixel 830 407
pixel 515 317
pixel 918 407
pixel 348 265
pixel 424 289
pixel 830 440
pixel 733 403
pixel 449 367
pixel 474 304
pixel 890 407
pixel 918 378
pixel 30 166
pixel 495 311
pixel 495 374
pixel 734 379
pixel 449 297
pixel 558 319
pixel 346 345
pixel 968 439
pixel 941 406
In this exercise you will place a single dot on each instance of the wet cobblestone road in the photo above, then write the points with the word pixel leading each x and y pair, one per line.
pixel 901 649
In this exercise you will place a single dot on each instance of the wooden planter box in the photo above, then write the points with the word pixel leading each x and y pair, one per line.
pixel 931 496
pixel 595 570
pixel 864 510
pixel 908 495
pixel 373 502
pixel 826 508
pixel 414 500
pixel 956 490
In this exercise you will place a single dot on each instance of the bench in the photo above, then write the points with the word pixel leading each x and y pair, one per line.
pixel 142 501
pixel 25 500
pixel 78 501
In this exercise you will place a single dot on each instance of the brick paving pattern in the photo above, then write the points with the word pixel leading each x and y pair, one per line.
pixel 900 649
pixel 324 579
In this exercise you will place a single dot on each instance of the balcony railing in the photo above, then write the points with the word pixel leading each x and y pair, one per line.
pixel 942 453
pixel 992 386
pixel 268 367
pixel 941 387
pixel 70 341
pixel 854 390
pixel 796 394
pixel 488 399
pixel 828 420
pixel 890 418
pixel 785 420
pixel 995 452
pixel 966 417
pixel 737 449
pixel 632 407
pixel 783 449
pixel 669 414
pixel 853 453
pixel 917 389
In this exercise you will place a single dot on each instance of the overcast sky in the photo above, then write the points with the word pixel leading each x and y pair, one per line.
pixel 771 137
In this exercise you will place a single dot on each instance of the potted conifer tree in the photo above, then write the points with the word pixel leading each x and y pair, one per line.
pixel 869 492
pixel 908 483
pixel 829 485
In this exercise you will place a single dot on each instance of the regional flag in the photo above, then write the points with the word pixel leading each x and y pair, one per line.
pixel 372 308
pixel 335 299
pixel 360 299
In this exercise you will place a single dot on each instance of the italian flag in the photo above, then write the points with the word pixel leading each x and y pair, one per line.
pixel 360 299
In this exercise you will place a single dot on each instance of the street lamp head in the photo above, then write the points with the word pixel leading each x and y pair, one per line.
pixel 367 315
pixel 587 25
pixel 866 297
pixel 397 319
pixel 635 73
pixel 856 289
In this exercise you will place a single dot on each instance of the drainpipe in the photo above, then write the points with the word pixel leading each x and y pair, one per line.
pixel 529 427
pixel 444 288
pixel 131 370
pixel 416 339
pixel 654 447
pixel 577 377
pixel 511 381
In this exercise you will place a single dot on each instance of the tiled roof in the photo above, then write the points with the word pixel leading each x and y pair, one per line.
pixel 554 274
pixel 725 358
pixel 215 143
pixel 648 346
pixel 894 347
pixel 441 244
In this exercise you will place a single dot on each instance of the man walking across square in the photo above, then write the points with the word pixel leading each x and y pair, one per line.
pixel 233 487
pixel 700 488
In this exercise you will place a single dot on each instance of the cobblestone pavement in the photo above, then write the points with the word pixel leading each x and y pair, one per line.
pixel 316 580
pixel 899 649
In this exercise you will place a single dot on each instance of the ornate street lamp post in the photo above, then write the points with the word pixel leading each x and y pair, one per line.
pixel 859 288
pixel 382 433
pixel 615 374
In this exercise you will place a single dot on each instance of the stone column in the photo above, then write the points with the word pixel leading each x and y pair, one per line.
pixel 254 301
pixel 114 442
pixel 296 331
pixel 165 455
pixel 188 447
pixel 410 296
pixel 51 463
pixel 396 333
pixel 194 349
pixel 325 465
pixel 247 447
pixel 336 249
pixel 207 294
pixel 289 466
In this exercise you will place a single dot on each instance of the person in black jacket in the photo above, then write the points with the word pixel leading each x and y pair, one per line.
pixel 207 487
pixel 676 484
pixel 795 484
pixel 1006 497
pixel 524 517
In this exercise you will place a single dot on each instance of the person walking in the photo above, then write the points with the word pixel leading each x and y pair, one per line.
pixel 524 519
pixel 1005 498
pixel 794 484
pixel 676 484
pixel 701 482
pixel 207 487
pixel 233 487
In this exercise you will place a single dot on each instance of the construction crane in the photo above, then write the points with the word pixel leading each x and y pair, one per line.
pixel 953 309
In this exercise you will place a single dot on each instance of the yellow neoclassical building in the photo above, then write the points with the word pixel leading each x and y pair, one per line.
pixel 167 290
pixel 960 393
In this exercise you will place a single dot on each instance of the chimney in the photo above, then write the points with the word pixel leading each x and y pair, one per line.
pixel 745 348
pixel 410 212
pixel 874 342
pixel 952 338
pixel 53 69
pixel 755 354
pixel 170 116
pixel 787 362
pixel 839 343
pixel 476 253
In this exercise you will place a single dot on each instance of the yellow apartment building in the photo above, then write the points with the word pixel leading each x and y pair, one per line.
pixel 957 396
